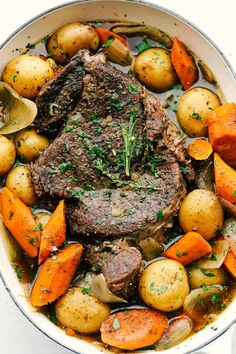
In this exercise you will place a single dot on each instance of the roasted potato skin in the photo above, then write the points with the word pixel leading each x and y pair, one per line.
pixel 193 107
pixel 154 69
pixel 81 312
pixel 29 144
pixel 164 285
pixel 19 182
pixel 202 212
pixel 7 154
pixel 197 278
pixel 27 74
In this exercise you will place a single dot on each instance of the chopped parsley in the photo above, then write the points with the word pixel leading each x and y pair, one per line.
pixel 132 89
pixel 159 215
pixel 204 271
pixel 215 298
pixel 65 166
pixel 191 68
pixel 196 116
pixel 10 214
pixel 19 271
pixel 184 169
pixel 143 45
pixel 108 42
pixel 86 291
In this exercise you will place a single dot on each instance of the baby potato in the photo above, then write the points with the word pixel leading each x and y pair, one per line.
pixel 27 74
pixel 81 312
pixel 199 277
pixel 19 182
pixel 193 107
pixel 202 212
pixel 7 153
pixel 154 69
pixel 29 144
pixel 69 39
pixel 164 285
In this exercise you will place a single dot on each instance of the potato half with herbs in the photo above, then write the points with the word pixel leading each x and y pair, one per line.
pixel 27 74
pixel 69 39
pixel 29 144
pixel 154 68
pixel 199 277
pixel 164 285
pixel 7 154
pixel 193 107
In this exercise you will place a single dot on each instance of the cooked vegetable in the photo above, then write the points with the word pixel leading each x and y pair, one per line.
pixel 29 144
pixel 188 249
pixel 69 39
pixel 199 149
pixel 193 108
pixel 207 73
pixel 19 220
pixel 53 233
pixel 100 290
pixel 104 35
pixel 178 329
pixel 55 275
pixel 7 153
pixel 154 69
pixel 222 131
pixel 16 112
pixel 200 277
pixel 229 207
pixel 151 248
pixel 27 74
pixel 202 212
pixel 19 182
pixel 136 29
pixel 133 329
pixel 80 311
pixel 42 218
pixel 225 180
pixel 117 52
pixel 229 233
pixel 184 64
pixel 164 285
pixel 216 258
pixel 205 175
pixel 230 264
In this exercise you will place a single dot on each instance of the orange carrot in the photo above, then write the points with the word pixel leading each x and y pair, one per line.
pixel 199 149
pixel 133 329
pixel 184 64
pixel 222 131
pixel 229 261
pixel 225 179
pixel 105 34
pixel 19 220
pixel 70 332
pixel 55 275
pixel 53 233
pixel 188 249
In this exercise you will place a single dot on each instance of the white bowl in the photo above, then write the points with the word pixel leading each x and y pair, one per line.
pixel 119 10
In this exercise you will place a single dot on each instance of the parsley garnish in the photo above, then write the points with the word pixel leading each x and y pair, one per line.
pixel 129 143
pixel 204 271
pixel 159 215
pixel 86 291
pixel 132 89
pixel 143 45
pixel 108 42
pixel 196 116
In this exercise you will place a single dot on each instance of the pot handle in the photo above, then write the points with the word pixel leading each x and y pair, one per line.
pixel 222 345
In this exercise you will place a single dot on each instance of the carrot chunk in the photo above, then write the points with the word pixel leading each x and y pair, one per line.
pixel 53 233
pixel 19 220
pixel 229 261
pixel 133 329
pixel 184 64
pixel 200 149
pixel 105 34
pixel 222 131
pixel 188 249
pixel 225 179
pixel 55 275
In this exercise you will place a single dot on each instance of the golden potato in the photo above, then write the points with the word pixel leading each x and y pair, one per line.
pixel 19 182
pixel 81 312
pixel 29 144
pixel 154 69
pixel 69 39
pixel 202 212
pixel 7 154
pixel 199 277
pixel 164 285
pixel 193 107
pixel 27 74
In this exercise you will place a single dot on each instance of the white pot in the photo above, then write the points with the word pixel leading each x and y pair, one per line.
pixel 119 10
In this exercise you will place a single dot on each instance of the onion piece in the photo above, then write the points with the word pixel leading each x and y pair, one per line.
pixel 101 292
pixel 118 53
pixel 216 258
pixel 229 233
pixel 179 328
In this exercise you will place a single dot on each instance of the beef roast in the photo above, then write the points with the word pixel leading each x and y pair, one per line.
pixel 117 154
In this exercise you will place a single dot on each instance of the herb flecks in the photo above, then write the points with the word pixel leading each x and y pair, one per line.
pixel 143 45
pixel 129 143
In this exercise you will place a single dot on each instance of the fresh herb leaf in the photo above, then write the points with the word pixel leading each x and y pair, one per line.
pixel 204 287
pixel 108 42
pixel 86 291
pixel 10 214
pixel 19 271
pixel 129 143
pixel 132 89
pixel 87 187
pixel 184 169
pixel 196 116
pixel 159 215
pixel 143 45
pixel 178 254
pixel 191 68
pixel 215 298
pixel 204 271
pixel 213 258
pixel 65 166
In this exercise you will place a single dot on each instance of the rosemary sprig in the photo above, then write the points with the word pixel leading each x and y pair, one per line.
pixel 130 141
pixel 149 186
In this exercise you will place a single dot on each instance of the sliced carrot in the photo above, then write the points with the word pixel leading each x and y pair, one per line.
pixel 188 249
pixel 70 332
pixel 105 34
pixel 229 261
pixel 53 233
pixel 133 329
pixel 225 179
pixel 222 131
pixel 199 149
pixel 184 64
pixel 19 220
pixel 55 275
